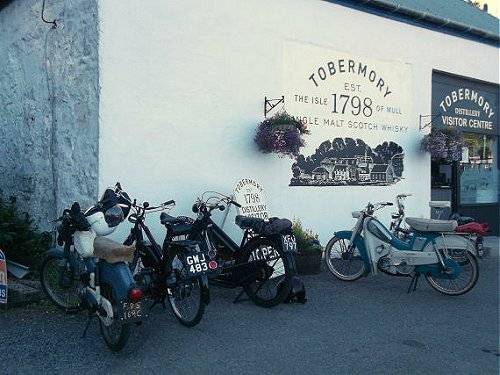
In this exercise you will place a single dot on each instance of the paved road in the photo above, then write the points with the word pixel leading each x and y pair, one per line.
pixel 370 326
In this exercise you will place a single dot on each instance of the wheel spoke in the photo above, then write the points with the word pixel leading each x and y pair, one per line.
pixel 341 260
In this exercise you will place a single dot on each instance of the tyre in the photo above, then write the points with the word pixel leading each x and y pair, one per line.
pixel 186 300
pixel 60 284
pixel 271 282
pixel 464 282
pixel 114 332
pixel 344 261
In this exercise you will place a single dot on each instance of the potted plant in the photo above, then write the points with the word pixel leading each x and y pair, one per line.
pixel 444 144
pixel 309 250
pixel 281 134
pixel 19 238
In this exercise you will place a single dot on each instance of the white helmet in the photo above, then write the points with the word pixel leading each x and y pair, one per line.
pixel 104 223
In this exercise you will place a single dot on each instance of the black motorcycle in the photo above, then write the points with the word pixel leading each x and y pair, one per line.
pixel 175 271
pixel 263 264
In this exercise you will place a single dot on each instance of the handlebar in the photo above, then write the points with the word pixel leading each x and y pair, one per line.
pixel 221 201
pixel 404 195
pixel 235 203
pixel 372 207
pixel 146 208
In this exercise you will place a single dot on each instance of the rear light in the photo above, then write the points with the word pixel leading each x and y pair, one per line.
pixel 135 294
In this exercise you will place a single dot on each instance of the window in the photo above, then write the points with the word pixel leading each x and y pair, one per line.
pixel 479 170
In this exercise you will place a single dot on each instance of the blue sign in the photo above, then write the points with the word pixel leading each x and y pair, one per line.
pixel 3 278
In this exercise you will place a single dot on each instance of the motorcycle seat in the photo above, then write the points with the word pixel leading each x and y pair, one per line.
pixel 178 226
pixel 260 226
pixel 112 251
pixel 167 219
pixel 431 225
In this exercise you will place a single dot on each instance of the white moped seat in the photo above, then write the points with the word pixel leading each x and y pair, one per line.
pixel 439 204
pixel 431 225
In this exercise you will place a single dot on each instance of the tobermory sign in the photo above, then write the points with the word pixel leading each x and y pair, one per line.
pixel 358 111
pixel 464 104
pixel 250 194
pixel 3 278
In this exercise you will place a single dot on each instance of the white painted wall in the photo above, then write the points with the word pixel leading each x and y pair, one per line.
pixel 183 84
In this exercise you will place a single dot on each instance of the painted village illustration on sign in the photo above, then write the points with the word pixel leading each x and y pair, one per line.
pixel 357 110
pixel 345 161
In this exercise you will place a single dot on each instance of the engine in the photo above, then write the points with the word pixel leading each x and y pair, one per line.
pixel 386 264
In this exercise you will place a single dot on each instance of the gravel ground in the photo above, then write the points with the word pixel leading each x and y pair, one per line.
pixel 369 326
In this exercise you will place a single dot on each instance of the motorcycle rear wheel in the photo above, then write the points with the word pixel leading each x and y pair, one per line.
pixel 272 283
pixel 60 284
pixel 115 334
pixel 343 262
pixel 186 301
pixel 461 284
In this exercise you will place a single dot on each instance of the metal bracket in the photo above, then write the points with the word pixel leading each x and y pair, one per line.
pixel 423 126
pixel 269 104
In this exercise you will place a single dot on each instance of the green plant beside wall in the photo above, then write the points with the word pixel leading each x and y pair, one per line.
pixel 309 249
pixel 19 238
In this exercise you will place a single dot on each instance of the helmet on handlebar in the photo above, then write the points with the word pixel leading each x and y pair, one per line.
pixel 104 223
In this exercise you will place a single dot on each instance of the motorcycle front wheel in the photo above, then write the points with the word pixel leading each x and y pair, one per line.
pixel 464 282
pixel 270 283
pixel 343 260
pixel 60 284
pixel 114 332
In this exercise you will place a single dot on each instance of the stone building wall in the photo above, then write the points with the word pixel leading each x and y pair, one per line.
pixel 49 105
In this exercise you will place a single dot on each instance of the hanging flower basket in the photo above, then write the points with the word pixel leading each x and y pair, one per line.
pixel 444 144
pixel 281 134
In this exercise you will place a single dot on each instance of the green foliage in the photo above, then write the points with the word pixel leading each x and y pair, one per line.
pixel 19 238
pixel 285 119
pixel 307 240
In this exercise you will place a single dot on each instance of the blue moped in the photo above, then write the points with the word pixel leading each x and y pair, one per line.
pixel 90 272
pixel 428 250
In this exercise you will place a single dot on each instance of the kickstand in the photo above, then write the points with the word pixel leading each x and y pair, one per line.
pixel 238 297
pixel 87 325
pixel 156 302
pixel 413 283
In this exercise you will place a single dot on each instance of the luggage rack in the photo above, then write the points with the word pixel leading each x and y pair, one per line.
pixel 439 206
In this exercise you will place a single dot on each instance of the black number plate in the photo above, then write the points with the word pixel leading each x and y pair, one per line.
pixel 199 263
pixel 289 243
pixel 131 311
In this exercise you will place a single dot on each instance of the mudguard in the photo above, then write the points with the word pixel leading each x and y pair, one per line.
pixel 56 252
pixel 205 291
pixel 118 276
pixel 287 255
pixel 360 245
pixel 290 259
pixel 451 241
